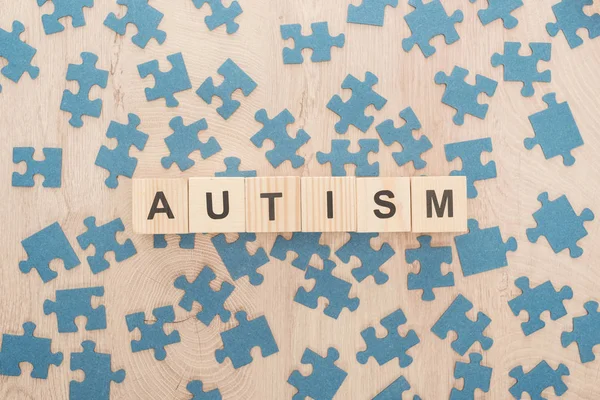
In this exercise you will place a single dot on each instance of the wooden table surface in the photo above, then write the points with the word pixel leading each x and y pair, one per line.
pixel 30 116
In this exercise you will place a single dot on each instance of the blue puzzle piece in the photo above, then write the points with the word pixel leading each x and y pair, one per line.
pixel 234 78
pixel 304 244
pixel 586 332
pixel 499 9
pixel 340 156
pixel 88 76
pixel 427 21
pixel 62 9
pixel 519 68
pixel 467 331
pixel 470 154
pixel 430 262
pixel 395 390
pixel 393 345
pixel 537 380
pixel 27 348
pixel 186 241
pixel 325 379
pixel 555 130
pixel 117 161
pixel 196 388
pixel 462 96
pixel 221 15
pixel 50 168
pixel 557 221
pixel 482 250
pixel 538 300
pixel 104 240
pixel 320 41
pixel 145 18
pixel 232 169
pixel 240 340
pixel 412 148
pixel 570 18
pixel 474 375
pixel 44 246
pixel 238 261
pixel 153 334
pixel 98 374
pixel 199 291
pixel 334 289
pixel 184 141
pixel 17 53
pixel 371 260
pixel 166 84
pixel 73 303
pixel 352 112
pixel 369 12
pixel 275 130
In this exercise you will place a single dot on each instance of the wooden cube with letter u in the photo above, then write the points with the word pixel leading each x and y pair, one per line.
pixel 439 204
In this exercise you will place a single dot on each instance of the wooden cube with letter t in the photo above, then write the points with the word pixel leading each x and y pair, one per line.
pixel 160 205
pixel 383 204
pixel 273 204
pixel 217 205
pixel 329 204
pixel 439 204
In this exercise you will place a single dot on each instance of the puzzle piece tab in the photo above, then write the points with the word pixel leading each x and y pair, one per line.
pixel 430 262
pixel 469 153
pixel 238 261
pixel 371 260
pixel 145 18
pixel 369 12
pixel 320 42
pixel 518 68
pixel 340 156
pixel 221 15
pixel 586 332
pixel 325 379
pixel 196 388
pixel 186 241
pixel 304 244
pixel 17 53
pixel 50 168
pixel 73 303
pixel 474 375
pixel 570 18
pixel 537 380
pixel 98 374
pixel 184 141
pixel 62 9
pixel 232 169
pixel 395 390
pixel 153 334
pixel 499 9
pixel 166 84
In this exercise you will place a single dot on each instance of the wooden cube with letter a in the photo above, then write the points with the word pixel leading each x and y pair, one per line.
pixel 160 205
pixel 439 204
pixel 273 204
pixel 217 205
pixel 329 204
pixel 383 204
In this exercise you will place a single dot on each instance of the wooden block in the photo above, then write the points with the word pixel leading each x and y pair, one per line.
pixel 273 204
pixel 383 204
pixel 217 205
pixel 160 205
pixel 329 204
pixel 439 204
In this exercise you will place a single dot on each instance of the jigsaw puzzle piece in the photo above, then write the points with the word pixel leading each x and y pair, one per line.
pixel 184 141
pixel 430 262
pixel 186 241
pixel 238 261
pixel 469 153
pixel 352 112
pixel 17 53
pixel 320 42
pixel 232 169
pixel 50 168
pixel 73 303
pixel 325 379
pixel 166 84
pixel 570 18
pixel 586 332
pixel 369 12
pixel 371 260
pixel 395 390
pixel 221 15
pixel 519 68
pixel 537 380
pixel 234 78
pixel 153 334
pixel 145 18
pixel 98 374
pixel 62 9
pixel 499 9
pixel 196 388
pixel 304 244
pixel 44 246
pixel 103 238
pixel 340 156
pixel 474 375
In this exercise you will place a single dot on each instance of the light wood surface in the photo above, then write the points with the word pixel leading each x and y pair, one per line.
pixel 30 116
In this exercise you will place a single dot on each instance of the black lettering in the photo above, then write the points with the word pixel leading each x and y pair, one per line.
pixel 209 206
pixel 447 203
pixel 383 203
pixel 166 208
pixel 329 204
pixel 271 197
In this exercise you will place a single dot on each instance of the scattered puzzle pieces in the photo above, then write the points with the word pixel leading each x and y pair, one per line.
pixel 145 18
pixel 153 334
pixel 586 332
pixel 470 154
pixel 304 244
pixel 62 9
pixel 325 379
pixel 412 148
pixel 430 262
pixel 352 112
pixel 570 18
pixel 518 68
pixel 240 340
pixel 27 348
pixel 73 303
pixel 88 76
pixel 117 161
pixel 393 345
pixel 17 53
pixel 234 78
pixel 369 12
pixel 474 375
pixel 44 246
pixel 232 169
pixel 467 331
pixel 320 42
pixel 50 168
pixel 184 141
pixel 104 240
pixel 371 260
pixel 199 291
pixel 238 261
pixel 98 374
pixel 539 378
pixel 462 96
pixel 221 15
pixel 499 9
pixel 555 130
pixel 166 84
pixel 275 130
pixel 482 250
pixel 557 221
pixel 340 156
pixel 186 241
pixel 427 21
pixel 334 289
pixel 196 388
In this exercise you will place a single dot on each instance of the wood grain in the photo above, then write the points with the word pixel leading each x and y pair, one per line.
pixel 287 210
pixel 329 204
pixel 445 210
pixel 230 219
pixel 397 192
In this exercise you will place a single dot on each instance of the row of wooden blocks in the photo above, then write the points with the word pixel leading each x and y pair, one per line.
pixel 293 204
